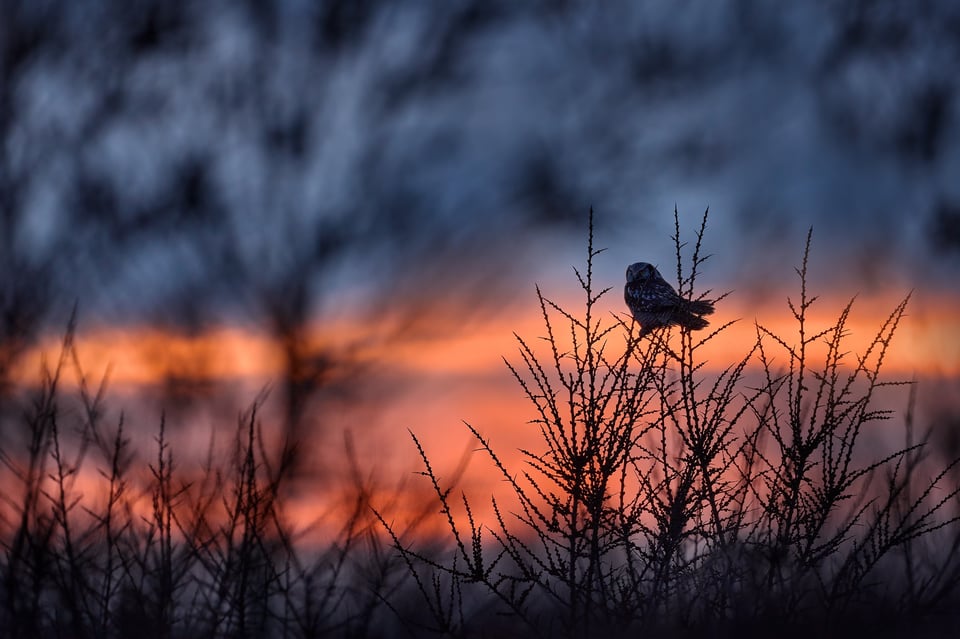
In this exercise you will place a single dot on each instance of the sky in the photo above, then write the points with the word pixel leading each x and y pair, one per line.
pixel 362 196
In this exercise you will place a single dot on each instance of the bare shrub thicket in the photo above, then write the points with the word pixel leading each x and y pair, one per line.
pixel 666 497
pixel 662 497
pixel 190 552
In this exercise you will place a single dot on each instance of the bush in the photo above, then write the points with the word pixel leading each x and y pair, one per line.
pixel 662 498
pixel 666 498
pixel 188 553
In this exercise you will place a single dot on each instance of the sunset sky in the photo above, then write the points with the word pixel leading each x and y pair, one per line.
pixel 368 197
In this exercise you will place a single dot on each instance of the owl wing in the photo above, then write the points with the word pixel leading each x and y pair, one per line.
pixel 651 300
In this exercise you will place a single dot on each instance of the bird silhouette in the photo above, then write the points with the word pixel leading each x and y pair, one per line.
pixel 655 304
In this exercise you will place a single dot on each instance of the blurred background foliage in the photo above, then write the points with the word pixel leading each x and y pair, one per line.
pixel 183 164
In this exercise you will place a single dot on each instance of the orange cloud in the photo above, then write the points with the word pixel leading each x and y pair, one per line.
pixel 927 342
pixel 453 372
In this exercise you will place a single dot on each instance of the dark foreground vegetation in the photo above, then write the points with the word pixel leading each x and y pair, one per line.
pixel 663 499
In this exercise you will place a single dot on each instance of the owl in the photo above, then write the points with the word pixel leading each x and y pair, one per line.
pixel 655 304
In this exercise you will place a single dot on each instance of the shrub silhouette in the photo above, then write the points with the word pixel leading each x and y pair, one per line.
pixel 661 498
pixel 667 498
pixel 211 556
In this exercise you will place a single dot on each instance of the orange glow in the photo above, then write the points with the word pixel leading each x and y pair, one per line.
pixel 454 374
pixel 927 342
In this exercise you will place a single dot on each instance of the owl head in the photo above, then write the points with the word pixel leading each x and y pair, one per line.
pixel 640 272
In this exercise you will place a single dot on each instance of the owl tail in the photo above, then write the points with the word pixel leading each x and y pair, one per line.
pixel 699 307
pixel 692 312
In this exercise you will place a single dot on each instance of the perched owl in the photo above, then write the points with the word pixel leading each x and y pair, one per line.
pixel 655 304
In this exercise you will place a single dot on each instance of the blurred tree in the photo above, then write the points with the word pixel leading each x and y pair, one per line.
pixel 179 163
pixel 24 274
pixel 183 163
